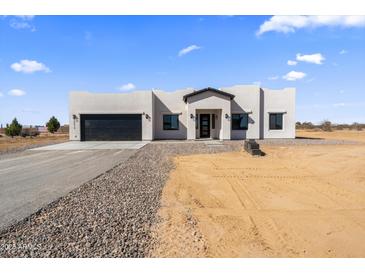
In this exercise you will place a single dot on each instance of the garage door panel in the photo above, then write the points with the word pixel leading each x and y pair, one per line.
pixel 111 127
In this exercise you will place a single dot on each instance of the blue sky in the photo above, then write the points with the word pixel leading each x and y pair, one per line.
pixel 42 58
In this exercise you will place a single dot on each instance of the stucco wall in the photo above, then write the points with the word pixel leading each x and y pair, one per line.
pixel 111 103
pixel 170 103
pixel 209 100
pixel 247 100
pixel 279 101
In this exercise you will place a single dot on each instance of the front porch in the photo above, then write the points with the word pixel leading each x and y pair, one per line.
pixel 209 112
pixel 208 124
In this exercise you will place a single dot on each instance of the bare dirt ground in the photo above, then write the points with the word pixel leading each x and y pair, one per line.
pixel 297 201
pixel 352 135
pixel 8 144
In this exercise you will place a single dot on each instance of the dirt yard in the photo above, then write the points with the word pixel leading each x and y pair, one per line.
pixel 297 201
pixel 352 135
pixel 8 144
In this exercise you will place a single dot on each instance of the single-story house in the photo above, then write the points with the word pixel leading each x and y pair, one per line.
pixel 238 112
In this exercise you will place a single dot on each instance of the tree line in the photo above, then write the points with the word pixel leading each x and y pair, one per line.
pixel 16 129
pixel 328 126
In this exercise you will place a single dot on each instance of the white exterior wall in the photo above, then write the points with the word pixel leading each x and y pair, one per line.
pixel 170 103
pixel 258 103
pixel 279 101
pixel 206 101
pixel 111 103
pixel 246 100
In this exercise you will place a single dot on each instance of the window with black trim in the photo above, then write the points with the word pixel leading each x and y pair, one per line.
pixel 213 121
pixel 171 122
pixel 276 121
pixel 239 121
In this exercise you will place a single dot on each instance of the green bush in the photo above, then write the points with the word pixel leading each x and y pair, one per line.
pixel 13 129
pixel 53 125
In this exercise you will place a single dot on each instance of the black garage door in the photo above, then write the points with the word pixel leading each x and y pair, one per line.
pixel 111 127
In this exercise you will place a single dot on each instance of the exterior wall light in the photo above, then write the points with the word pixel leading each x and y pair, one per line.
pixel 191 116
pixel 227 116
pixel 74 117
pixel 147 116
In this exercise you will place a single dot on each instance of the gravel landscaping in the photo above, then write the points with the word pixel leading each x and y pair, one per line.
pixel 110 216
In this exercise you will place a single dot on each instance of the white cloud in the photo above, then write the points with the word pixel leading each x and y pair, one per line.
pixel 1 94
pixel 29 66
pixel 22 22
pixel 257 83
pixel 292 63
pixel 341 91
pixel 188 49
pixel 20 25
pixel 127 87
pixel 339 104
pixel 294 75
pixel 315 58
pixel 275 77
pixel 287 24
pixel 16 92
pixel 25 17
pixel 343 51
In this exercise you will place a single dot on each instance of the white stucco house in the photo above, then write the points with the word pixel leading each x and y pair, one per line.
pixel 238 112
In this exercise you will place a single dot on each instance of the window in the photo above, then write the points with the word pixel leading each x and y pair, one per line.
pixel 240 121
pixel 276 121
pixel 213 121
pixel 171 122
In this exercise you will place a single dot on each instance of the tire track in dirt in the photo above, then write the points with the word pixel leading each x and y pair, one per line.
pixel 287 204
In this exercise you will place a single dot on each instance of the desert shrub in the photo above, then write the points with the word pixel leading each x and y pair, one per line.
pixel 326 125
pixel 356 126
pixel 306 125
pixel 53 125
pixel 13 129
pixel 339 127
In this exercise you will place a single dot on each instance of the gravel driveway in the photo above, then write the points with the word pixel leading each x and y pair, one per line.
pixel 109 216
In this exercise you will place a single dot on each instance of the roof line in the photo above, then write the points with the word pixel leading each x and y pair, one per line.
pixel 196 92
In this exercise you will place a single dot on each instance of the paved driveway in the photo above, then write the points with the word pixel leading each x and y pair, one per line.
pixel 34 178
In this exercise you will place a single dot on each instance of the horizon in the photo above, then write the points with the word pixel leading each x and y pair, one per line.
pixel 46 57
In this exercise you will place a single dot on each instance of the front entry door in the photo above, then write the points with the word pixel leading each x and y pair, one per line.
pixel 204 125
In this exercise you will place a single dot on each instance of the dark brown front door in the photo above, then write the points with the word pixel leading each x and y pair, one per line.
pixel 204 125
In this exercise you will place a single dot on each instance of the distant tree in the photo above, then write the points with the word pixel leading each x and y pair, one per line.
pixel 13 129
pixel 326 125
pixel 298 125
pixel 53 125
pixel 307 125
pixel 356 126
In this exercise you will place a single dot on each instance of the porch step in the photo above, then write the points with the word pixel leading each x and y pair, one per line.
pixel 253 148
